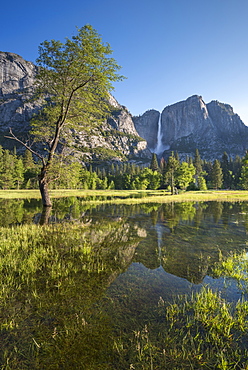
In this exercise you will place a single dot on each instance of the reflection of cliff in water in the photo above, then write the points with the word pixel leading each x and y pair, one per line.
pixel 187 246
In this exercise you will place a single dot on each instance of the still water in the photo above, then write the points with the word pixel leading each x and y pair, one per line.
pixel 80 303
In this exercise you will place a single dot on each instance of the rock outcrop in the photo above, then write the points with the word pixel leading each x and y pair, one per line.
pixel 16 82
pixel 191 124
pixel 117 137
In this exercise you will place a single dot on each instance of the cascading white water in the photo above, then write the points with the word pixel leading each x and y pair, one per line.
pixel 159 148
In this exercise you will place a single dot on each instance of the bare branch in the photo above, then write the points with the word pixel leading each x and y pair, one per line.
pixel 13 137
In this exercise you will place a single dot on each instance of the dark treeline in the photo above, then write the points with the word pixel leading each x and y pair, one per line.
pixel 193 173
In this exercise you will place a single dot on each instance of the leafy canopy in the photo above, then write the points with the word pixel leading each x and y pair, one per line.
pixel 73 83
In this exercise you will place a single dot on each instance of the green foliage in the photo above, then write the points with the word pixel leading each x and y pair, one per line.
pixel 200 174
pixel 73 82
pixel 154 163
pixel 67 175
pixel 235 169
pixel 106 154
pixel 153 178
pixel 170 172
pixel 202 183
pixel 216 175
pixel 66 172
pixel 244 173
pixel 185 175
pixel 31 170
pixel 12 172
pixel 227 174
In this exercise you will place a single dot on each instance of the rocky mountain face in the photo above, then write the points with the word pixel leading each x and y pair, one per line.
pixel 185 126
pixel 117 137
pixel 16 76
pixel 147 127
pixel 191 124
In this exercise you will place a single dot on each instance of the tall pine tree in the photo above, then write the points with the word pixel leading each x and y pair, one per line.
pixel 216 175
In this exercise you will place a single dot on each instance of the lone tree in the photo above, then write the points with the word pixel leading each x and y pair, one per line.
pixel 73 84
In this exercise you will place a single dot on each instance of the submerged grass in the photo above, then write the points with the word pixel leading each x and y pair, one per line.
pixel 234 267
pixel 200 332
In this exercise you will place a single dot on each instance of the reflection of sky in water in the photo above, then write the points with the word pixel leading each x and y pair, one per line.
pixel 228 288
pixel 151 284
pixel 139 289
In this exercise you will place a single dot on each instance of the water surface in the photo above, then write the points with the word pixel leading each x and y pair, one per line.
pixel 83 302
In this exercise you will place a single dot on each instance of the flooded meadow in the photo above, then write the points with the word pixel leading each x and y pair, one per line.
pixel 115 286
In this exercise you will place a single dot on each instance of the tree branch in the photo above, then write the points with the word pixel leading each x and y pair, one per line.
pixel 13 137
pixel 70 98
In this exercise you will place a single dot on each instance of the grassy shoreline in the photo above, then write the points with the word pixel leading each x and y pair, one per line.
pixel 133 196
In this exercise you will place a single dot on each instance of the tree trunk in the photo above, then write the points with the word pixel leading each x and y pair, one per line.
pixel 43 185
pixel 172 184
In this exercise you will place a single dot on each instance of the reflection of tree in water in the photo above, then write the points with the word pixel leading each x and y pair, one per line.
pixel 11 212
pixel 50 292
pixel 216 208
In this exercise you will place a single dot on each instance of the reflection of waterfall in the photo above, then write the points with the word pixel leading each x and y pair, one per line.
pixel 159 229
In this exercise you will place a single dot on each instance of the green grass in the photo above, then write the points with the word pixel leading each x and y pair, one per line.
pixel 202 332
pixel 234 267
pixel 133 196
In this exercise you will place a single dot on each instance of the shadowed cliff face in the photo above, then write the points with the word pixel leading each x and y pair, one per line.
pixel 115 138
pixel 147 127
pixel 191 124
pixel 16 74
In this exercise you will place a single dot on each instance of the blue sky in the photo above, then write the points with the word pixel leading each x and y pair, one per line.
pixel 168 49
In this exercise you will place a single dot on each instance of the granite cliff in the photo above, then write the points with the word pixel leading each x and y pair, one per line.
pixel 117 137
pixel 16 81
pixel 184 126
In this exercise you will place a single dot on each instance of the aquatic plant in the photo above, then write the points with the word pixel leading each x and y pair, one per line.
pixel 200 332
pixel 234 267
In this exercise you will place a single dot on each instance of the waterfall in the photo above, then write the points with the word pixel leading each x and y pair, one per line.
pixel 159 147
